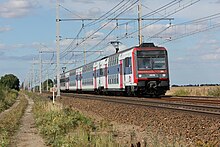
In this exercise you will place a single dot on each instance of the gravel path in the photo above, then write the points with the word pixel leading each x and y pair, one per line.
pixel 27 135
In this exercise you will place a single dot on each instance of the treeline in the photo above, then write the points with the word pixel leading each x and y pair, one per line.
pixel 196 85
pixel 10 81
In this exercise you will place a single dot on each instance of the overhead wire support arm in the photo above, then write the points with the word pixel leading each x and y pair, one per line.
pixel 78 19
pixel 141 18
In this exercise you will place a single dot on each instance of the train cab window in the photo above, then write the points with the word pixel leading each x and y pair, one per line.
pixel 151 63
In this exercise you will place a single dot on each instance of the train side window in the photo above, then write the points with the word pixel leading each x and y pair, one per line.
pixel 128 62
pixel 101 72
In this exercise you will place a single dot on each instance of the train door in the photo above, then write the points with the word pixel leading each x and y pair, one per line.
pixel 127 70
pixel 101 78
pixel 80 80
pixel 106 76
pixel 95 78
pixel 67 81
pixel 77 78
pixel 121 74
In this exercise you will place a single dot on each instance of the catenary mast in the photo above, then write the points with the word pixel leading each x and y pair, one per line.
pixel 58 46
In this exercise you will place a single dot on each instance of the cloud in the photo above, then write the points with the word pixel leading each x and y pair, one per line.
pixel 218 2
pixel 19 46
pixel 17 8
pixel 2 46
pixel 211 57
pixel 5 29
pixel 16 58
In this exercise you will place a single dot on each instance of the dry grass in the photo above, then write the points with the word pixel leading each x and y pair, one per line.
pixel 195 91
pixel 62 126
pixel 7 98
pixel 9 122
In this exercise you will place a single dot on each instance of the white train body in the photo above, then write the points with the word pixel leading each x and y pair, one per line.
pixel 122 72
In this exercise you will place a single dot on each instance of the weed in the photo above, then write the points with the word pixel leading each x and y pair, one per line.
pixel 7 98
pixel 214 92
pixel 61 126
pixel 10 122
pixel 182 92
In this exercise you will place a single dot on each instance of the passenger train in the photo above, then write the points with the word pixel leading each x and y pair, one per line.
pixel 137 71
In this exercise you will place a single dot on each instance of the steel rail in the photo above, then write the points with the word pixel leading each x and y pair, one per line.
pixel 194 100
pixel 204 109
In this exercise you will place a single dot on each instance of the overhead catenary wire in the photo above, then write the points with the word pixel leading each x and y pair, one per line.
pixel 145 15
pixel 104 15
pixel 83 26
pixel 202 28
pixel 175 11
pixel 126 8
pixel 84 40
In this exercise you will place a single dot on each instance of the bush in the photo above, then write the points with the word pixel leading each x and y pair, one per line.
pixel 64 127
pixel 182 92
pixel 2 95
pixel 7 98
pixel 214 92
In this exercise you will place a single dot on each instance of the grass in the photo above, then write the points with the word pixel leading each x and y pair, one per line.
pixel 9 122
pixel 214 92
pixel 7 98
pixel 195 91
pixel 62 126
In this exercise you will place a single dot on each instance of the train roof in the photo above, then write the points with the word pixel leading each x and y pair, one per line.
pixel 143 45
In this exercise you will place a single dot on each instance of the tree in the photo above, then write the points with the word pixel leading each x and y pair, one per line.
pixel 10 81
pixel 50 84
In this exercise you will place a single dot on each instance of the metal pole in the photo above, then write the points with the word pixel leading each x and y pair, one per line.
pixel 33 74
pixel 40 86
pixel 139 23
pixel 58 46
pixel 29 82
pixel 24 85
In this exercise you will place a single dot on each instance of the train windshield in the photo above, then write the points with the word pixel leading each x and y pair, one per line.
pixel 151 60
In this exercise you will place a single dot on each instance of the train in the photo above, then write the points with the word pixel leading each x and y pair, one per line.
pixel 136 71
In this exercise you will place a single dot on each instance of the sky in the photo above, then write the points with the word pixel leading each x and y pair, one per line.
pixel 29 26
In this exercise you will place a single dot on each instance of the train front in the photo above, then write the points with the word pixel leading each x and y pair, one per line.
pixel 151 70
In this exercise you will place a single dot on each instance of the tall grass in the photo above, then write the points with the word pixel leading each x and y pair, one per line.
pixel 181 92
pixel 214 92
pixel 9 122
pixel 61 126
pixel 195 91
pixel 7 98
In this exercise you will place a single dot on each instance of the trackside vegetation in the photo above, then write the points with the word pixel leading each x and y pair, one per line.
pixel 7 98
pixel 62 126
pixel 9 121
pixel 195 91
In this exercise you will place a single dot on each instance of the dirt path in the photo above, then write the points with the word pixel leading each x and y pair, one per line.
pixel 27 135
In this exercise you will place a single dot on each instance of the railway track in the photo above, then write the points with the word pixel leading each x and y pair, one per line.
pixel 198 100
pixel 165 103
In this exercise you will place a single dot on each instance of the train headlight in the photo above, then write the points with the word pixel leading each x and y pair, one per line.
pixel 164 75
pixel 140 75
